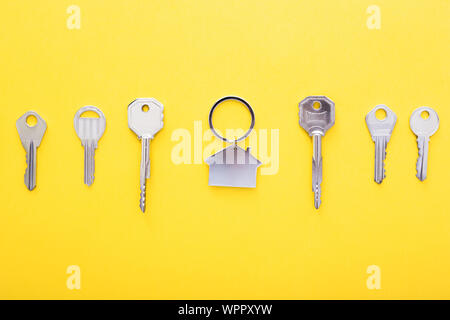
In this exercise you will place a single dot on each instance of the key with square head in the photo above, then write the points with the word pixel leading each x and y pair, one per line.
pixel 316 117
pixel 145 119
pixel 89 130
pixel 423 127
pixel 381 131
pixel 31 137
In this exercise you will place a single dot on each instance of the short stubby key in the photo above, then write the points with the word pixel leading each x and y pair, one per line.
pixel 316 117
pixel 381 131
pixel 89 130
pixel 31 137
pixel 424 122
pixel 145 119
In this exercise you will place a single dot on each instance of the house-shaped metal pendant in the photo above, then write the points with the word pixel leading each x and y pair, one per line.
pixel 233 167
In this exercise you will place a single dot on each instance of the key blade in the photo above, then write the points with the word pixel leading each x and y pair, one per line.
pixel 89 162
pixel 145 117
pixel 144 172
pixel 30 171
pixel 422 160
pixel 381 127
pixel 380 156
pixel 317 169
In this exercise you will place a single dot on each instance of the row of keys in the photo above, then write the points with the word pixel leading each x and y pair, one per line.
pixel 145 119
pixel 317 115
pixel 424 122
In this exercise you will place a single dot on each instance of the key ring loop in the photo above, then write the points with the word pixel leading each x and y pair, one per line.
pixel 235 98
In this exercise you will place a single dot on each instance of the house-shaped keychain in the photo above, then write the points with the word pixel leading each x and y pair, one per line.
pixel 233 166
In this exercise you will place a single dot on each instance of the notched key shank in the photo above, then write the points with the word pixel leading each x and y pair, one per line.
pixel 31 137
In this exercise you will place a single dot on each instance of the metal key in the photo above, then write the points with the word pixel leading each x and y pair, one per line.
pixel 145 119
pixel 316 117
pixel 31 137
pixel 89 130
pixel 423 128
pixel 380 130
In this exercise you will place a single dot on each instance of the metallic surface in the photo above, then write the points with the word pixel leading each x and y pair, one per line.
pixel 423 128
pixel 316 117
pixel 381 131
pixel 145 119
pixel 89 130
pixel 31 137
pixel 233 167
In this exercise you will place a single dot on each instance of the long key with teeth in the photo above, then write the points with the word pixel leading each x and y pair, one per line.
pixel 424 122
pixel 381 131
pixel 145 119
pixel 316 117
pixel 31 137
pixel 89 130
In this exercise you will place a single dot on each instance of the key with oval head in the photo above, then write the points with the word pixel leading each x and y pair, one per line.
pixel 381 131
pixel 145 119
pixel 316 117
pixel 31 137
pixel 423 127
pixel 89 130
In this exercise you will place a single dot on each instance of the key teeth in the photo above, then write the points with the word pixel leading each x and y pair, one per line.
pixel 419 173
pixel 380 158
pixel 142 198
pixel 317 196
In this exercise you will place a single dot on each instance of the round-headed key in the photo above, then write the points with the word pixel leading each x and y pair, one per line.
pixel 381 131
pixel 424 122
pixel 145 119
pixel 31 137
pixel 89 130
pixel 316 117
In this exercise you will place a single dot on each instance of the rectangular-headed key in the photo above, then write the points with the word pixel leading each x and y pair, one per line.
pixel 424 122
pixel 381 131
pixel 31 137
pixel 89 130
pixel 316 117
pixel 145 119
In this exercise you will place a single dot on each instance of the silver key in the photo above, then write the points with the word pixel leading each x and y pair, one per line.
pixel 145 119
pixel 31 137
pixel 381 131
pixel 423 128
pixel 89 130
pixel 316 117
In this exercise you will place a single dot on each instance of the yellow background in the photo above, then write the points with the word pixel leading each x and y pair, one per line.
pixel 197 241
